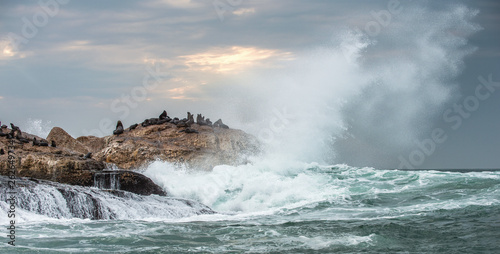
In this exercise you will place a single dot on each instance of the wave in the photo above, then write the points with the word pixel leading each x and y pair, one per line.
pixel 40 200
pixel 268 187
pixel 304 191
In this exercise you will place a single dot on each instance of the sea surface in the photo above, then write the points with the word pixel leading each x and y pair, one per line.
pixel 288 208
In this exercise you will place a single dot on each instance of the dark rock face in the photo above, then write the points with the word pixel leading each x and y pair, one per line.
pixel 67 163
pixel 58 200
pixel 139 184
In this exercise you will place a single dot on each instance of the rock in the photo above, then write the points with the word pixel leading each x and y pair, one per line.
pixel 208 148
pixel 138 183
pixel 91 143
pixel 131 150
pixel 65 141
pixel 45 163
pixel 58 200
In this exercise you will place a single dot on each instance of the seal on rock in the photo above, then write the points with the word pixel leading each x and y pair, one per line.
pixel 163 115
pixel 219 123
pixel 200 120
pixel 119 128
pixel 190 118
pixel 133 126
pixel 182 124
pixel 13 127
pixel 189 130
pixel 88 156
pixel 53 143
pixel 163 118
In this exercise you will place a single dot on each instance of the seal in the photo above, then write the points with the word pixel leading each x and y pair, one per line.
pixel 35 142
pixel 119 128
pixel 12 126
pixel 219 123
pixel 88 156
pixel 53 143
pixel 209 123
pixel 145 123
pixel 190 119
pixel 133 126
pixel 200 120
pixel 182 124
pixel 163 115
pixel 24 140
pixel 2 152
pixel 189 130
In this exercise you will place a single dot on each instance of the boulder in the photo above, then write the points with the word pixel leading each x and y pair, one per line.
pixel 204 150
pixel 65 141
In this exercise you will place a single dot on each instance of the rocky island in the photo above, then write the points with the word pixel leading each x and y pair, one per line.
pixel 116 160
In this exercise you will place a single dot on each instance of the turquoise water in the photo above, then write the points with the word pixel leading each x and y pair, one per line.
pixel 293 208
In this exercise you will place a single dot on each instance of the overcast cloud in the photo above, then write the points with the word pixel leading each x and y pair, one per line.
pixel 82 65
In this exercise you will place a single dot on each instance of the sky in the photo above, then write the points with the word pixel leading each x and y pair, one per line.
pixel 387 84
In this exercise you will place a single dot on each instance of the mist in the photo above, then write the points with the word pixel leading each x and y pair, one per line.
pixel 363 99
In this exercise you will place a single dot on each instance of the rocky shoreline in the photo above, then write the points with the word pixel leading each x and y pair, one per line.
pixel 61 158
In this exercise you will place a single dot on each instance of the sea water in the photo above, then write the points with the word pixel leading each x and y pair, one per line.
pixel 287 208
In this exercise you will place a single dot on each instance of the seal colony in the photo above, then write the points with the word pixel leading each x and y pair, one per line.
pixel 193 141
pixel 180 123
pixel 23 138
pixel 190 142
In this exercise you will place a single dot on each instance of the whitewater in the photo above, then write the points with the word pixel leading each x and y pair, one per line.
pixel 264 207
pixel 295 197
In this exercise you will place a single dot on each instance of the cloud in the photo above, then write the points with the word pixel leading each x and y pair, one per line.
pixel 234 59
pixel 9 53
pixel 244 11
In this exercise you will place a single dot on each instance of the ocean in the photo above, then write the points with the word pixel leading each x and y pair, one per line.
pixel 271 207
